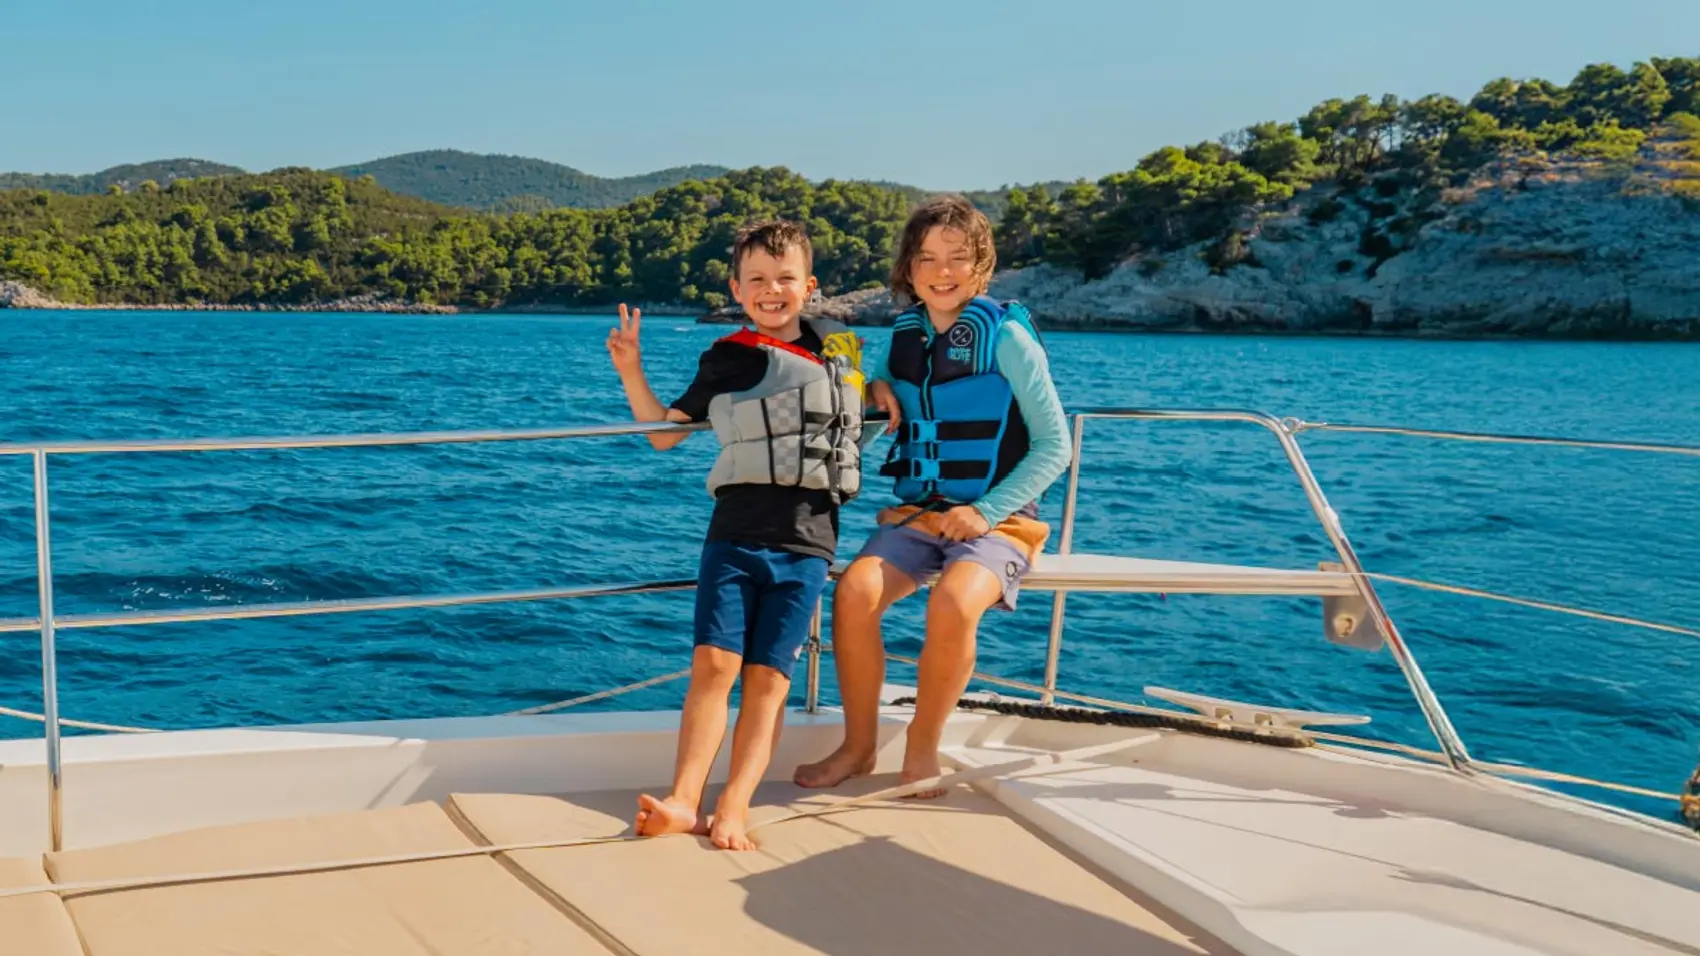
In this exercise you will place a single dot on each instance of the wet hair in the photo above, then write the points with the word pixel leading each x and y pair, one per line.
pixel 774 237
pixel 949 212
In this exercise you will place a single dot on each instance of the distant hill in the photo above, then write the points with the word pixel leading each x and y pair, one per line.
pixel 297 236
pixel 445 176
pixel 448 177
pixel 992 202
pixel 129 176
pixel 509 183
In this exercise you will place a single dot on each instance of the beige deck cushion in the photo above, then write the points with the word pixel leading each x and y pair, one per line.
pixel 467 906
pixel 956 875
pixel 37 924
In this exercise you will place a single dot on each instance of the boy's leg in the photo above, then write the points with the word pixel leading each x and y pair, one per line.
pixel 886 571
pixel 761 713
pixel 702 727
pixel 724 606
pixel 783 611
pixel 979 574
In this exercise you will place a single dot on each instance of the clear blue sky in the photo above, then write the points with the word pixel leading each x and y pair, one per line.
pixel 939 93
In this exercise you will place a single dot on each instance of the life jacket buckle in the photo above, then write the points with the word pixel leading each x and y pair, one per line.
pixel 921 430
pixel 924 469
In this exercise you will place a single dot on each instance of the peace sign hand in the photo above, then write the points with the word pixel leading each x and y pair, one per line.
pixel 623 342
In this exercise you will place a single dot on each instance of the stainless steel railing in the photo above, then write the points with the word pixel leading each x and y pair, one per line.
pixel 1297 426
pixel 1439 723
pixel 47 623
pixel 1285 431
pixel 49 656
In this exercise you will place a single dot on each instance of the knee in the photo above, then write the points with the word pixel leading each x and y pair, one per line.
pixel 764 683
pixel 959 608
pixel 858 591
pixel 715 667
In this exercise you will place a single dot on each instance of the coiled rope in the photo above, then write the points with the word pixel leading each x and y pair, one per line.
pixel 1204 726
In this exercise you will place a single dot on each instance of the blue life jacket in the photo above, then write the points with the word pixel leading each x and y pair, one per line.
pixel 962 431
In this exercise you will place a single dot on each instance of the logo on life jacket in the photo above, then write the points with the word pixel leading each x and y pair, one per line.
pixel 961 338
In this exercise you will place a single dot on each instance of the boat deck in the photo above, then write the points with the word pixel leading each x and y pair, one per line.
pixel 1174 844
pixel 1335 863
pixel 960 874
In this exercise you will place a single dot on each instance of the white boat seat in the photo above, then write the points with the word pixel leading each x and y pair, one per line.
pixel 1112 573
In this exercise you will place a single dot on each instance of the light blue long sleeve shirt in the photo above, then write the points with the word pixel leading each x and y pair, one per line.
pixel 1024 364
pixel 1028 369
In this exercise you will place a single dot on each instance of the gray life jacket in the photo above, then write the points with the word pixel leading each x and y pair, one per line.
pixel 801 425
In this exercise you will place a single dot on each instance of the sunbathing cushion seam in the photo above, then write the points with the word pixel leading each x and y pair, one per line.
pixel 563 905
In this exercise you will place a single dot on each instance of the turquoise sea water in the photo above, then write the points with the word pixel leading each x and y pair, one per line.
pixel 1611 531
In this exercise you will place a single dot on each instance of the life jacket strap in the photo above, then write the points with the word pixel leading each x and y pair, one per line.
pixel 931 469
pixel 929 430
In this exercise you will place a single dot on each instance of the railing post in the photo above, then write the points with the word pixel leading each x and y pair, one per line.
pixel 49 657
pixel 1439 724
pixel 1053 647
pixel 811 687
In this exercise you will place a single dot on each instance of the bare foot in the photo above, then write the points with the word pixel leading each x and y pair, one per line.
pixel 731 831
pixel 918 767
pixel 840 766
pixel 660 817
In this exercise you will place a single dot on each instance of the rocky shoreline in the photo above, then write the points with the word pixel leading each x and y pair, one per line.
pixel 16 295
pixel 1531 248
pixel 1527 250
pixel 1564 252
pixel 871 307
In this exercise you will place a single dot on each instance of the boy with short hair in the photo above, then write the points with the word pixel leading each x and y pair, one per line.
pixel 785 401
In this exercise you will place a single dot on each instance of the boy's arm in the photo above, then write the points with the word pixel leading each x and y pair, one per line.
pixel 627 355
pixel 1028 370
pixel 647 408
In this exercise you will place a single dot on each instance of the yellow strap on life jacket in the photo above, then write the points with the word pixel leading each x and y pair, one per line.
pixel 846 345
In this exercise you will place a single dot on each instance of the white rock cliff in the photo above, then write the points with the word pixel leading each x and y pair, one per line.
pixel 1563 252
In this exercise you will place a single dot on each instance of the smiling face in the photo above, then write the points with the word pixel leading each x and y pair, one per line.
pixel 943 273
pixel 773 289
pixel 944 259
